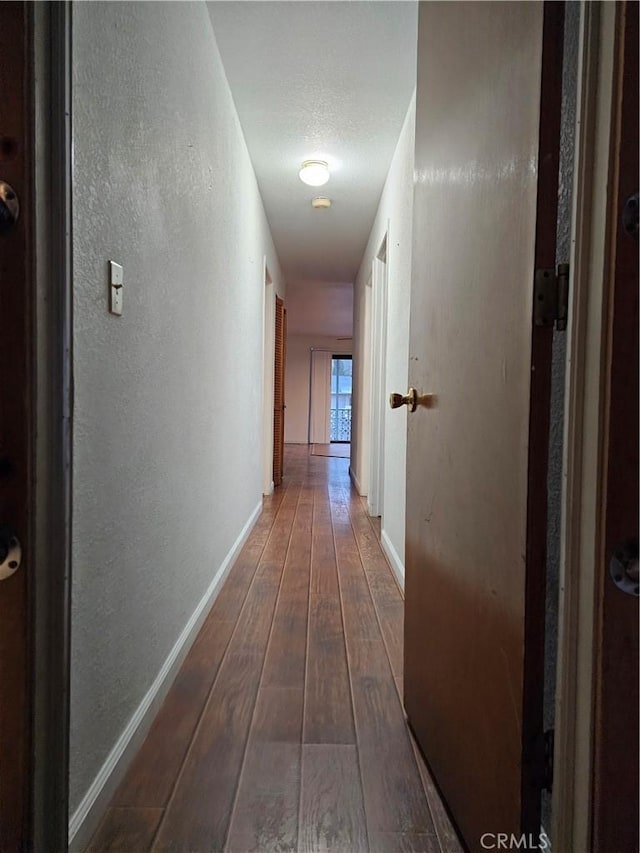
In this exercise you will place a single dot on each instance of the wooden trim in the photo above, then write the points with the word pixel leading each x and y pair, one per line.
pixel 541 353
pixel 581 524
pixel 53 348
pixel 377 402
pixel 268 344
pixel 278 391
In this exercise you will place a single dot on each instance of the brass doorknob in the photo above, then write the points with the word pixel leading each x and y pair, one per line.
pixel 9 207
pixel 410 400
pixel 10 552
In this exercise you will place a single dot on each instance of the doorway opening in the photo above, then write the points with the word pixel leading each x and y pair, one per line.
pixel 268 361
pixel 341 389
pixel 278 391
pixel 378 361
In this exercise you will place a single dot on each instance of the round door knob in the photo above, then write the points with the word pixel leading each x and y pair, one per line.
pixel 630 216
pixel 9 207
pixel 409 399
pixel 10 552
pixel 623 567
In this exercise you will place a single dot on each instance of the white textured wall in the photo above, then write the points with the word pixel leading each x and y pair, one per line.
pixel 396 212
pixel 166 467
pixel 296 417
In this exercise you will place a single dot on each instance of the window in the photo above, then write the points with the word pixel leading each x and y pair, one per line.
pixel 341 398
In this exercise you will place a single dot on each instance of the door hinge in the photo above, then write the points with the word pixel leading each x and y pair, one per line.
pixel 547 778
pixel 551 297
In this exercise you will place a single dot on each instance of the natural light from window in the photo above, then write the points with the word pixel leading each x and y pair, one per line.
pixel 341 398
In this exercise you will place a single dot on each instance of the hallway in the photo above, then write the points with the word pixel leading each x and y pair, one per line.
pixel 284 728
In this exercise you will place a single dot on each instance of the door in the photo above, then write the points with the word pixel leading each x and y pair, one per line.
pixel 615 793
pixel 15 426
pixel 278 392
pixel 484 219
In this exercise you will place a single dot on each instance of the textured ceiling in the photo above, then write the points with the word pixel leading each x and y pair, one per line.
pixel 330 80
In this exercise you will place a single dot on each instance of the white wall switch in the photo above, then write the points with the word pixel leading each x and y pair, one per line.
pixel 116 282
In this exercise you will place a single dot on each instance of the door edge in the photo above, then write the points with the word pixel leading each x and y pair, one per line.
pixel 533 770
pixel 52 470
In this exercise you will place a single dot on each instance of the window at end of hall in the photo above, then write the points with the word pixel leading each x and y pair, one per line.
pixel 341 398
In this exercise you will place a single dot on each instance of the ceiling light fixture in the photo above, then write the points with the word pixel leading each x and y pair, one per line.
pixel 314 173
pixel 321 202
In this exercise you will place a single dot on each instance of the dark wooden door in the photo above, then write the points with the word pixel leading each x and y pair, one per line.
pixel 278 391
pixel 486 170
pixel 15 426
pixel 615 809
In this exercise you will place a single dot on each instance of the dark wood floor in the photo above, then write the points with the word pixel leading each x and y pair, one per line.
pixel 284 729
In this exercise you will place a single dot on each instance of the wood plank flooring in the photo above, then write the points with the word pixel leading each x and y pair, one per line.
pixel 284 729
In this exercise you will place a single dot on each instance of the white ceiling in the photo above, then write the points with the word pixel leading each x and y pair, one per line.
pixel 330 80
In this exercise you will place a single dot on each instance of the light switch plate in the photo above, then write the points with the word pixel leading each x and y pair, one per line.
pixel 116 282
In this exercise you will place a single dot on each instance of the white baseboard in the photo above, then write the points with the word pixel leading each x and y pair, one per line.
pixel 84 821
pixel 355 481
pixel 392 555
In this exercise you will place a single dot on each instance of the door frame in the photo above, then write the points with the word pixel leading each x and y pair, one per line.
pixel 582 532
pixel 378 366
pixel 280 354
pixel 49 66
pixel 593 219
pixel 336 356
pixel 268 356
pixel 359 468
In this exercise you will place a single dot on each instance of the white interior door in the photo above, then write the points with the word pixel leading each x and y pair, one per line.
pixel 484 219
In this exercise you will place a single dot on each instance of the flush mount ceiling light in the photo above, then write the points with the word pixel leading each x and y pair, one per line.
pixel 314 173
pixel 321 202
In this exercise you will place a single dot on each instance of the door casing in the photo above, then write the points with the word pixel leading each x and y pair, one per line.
pixel 268 354
pixel 594 221
pixel 53 348
pixel 378 363
pixel 46 207
pixel 280 350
